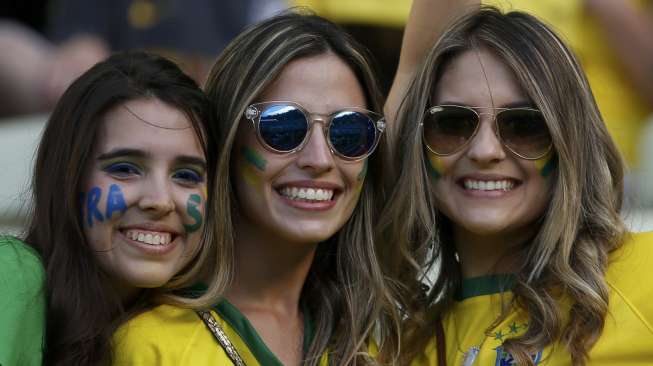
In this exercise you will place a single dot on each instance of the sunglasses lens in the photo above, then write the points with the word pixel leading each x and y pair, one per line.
pixel 524 131
pixel 283 127
pixel 352 134
pixel 448 128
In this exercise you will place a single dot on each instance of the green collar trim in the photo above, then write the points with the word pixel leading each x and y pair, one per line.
pixel 250 336
pixel 485 285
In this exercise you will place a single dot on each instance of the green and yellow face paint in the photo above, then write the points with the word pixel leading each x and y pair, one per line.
pixel 434 165
pixel 252 163
pixel 546 164
pixel 360 178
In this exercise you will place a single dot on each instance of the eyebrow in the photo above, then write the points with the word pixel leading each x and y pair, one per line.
pixel 517 104
pixel 140 154
pixel 115 153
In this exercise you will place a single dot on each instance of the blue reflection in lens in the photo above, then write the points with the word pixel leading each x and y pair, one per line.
pixel 283 127
pixel 352 133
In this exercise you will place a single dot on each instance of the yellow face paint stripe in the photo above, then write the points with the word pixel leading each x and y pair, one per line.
pixel 434 165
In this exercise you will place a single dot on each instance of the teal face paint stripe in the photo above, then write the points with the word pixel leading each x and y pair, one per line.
pixel 432 171
pixel 548 168
pixel 254 158
pixel 363 172
pixel 194 200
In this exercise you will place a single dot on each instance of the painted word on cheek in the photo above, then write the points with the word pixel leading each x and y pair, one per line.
pixel 194 200
pixel 253 163
pixel 434 165
pixel 546 164
pixel 115 203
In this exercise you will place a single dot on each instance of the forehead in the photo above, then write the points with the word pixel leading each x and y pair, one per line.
pixel 322 84
pixel 478 77
pixel 150 125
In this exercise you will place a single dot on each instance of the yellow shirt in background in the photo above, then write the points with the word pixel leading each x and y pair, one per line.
pixel 391 13
pixel 627 339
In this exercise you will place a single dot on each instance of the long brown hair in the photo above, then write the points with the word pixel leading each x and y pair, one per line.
pixel 568 255
pixel 345 290
pixel 82 307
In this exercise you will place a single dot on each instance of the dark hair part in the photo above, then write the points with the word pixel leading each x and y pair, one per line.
pixel 568 256
pixel 345 289
pixel 83 310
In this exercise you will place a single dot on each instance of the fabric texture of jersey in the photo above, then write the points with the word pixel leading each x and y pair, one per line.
pixel 169 335
pixel 627 338
pixel 22 300
pixel 622 108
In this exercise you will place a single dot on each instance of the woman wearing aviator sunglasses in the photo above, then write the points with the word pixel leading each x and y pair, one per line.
pixel 515 188
pixel 298 188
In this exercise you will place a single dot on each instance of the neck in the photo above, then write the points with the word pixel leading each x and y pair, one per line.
pixel 483 254
pixel 270 272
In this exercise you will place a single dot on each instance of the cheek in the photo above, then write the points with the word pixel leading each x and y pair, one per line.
pixel 435 165
pixel 251 166
pixel 195 209
pixel 546 164
pixel 360 176
pixel 98 205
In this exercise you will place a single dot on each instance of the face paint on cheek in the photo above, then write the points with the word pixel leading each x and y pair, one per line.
pixel 360 179
pixel 92 200
pixel 115 201
pixel 252 163
pixel 434 165
pixel 546 164
pixel 194 200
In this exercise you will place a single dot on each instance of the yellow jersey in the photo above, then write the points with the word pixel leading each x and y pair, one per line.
pixel 627 337
pixel 170 336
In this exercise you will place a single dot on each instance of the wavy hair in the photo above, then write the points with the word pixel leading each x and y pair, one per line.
pixel 345 289
pixel 568 255
pixel 82 309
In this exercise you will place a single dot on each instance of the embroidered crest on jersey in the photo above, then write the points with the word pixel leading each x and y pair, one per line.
pixel 505 359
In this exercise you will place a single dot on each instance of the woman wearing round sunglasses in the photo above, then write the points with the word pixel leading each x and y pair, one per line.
pixel 298 188
pixel 516 188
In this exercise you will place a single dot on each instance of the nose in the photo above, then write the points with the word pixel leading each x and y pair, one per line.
pixel 316 155
pixel 156 198
pixel 485 148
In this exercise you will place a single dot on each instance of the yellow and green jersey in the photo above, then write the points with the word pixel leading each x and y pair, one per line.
pixel 169 336
pixel 627 338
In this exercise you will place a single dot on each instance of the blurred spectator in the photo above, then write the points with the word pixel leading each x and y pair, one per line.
pixel 37 69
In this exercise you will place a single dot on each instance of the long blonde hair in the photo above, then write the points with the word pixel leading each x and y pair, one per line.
pixel 345 289
pixel 569 254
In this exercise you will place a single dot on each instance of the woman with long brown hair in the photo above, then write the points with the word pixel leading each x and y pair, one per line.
pixel 507 201
pixel 119 194
pixel 298 187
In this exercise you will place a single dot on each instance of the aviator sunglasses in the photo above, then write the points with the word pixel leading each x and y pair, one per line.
pixel 283 127
pixel 449 128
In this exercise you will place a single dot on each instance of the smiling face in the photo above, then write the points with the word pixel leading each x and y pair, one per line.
pixel 143 202
pixel 484 189
pixel 308 195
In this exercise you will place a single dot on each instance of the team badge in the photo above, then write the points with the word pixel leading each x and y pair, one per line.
pixel 505 359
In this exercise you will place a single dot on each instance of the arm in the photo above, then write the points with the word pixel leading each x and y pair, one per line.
pixel 22 301
pixel 426 21
pixel 628 31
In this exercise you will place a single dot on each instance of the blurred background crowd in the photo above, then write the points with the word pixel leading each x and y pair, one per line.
pixel 44 45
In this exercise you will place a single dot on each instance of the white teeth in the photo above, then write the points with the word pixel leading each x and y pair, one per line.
pixel 492 185
pixel 149 237
pixel 307 194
